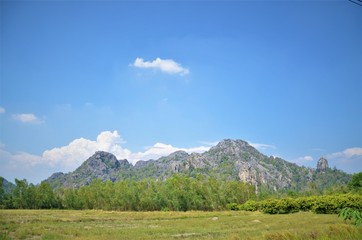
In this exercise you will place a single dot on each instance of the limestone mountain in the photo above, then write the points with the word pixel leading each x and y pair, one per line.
pixel 228 160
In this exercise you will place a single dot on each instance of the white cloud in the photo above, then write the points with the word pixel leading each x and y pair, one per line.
pixel 160 149
pixel 165 65
pixel 349 160
pixel 80 149
pixel 347 153
pixel 27 118
pixel 68 158
pixel 2 110
pixel 23 166
pixel 306 160
pixel 261 146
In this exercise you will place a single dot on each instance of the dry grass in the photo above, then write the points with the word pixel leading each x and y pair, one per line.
pixel 58 224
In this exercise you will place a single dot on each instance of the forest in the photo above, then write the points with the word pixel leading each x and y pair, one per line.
pixel 178 193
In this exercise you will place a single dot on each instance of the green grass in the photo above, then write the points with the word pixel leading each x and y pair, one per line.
pixel 58 224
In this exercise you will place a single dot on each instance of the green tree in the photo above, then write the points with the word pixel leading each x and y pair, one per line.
pixel 30 197
pixel 72 199
pixel 356 182
pixel 45 197
pixel 2 192
pixel 19 194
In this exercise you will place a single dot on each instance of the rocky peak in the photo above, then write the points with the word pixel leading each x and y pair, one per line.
pixel 179 154
pixel 176 156
pixel 103 160
pixel 233 147
pixel 322 165
pixel 229 143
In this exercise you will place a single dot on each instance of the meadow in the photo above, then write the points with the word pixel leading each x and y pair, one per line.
pixel 98 224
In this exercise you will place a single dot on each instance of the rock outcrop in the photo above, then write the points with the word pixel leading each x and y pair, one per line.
pixel 228 160
pixel 322 165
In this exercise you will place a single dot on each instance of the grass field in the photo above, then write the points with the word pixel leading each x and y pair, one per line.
pixel 59 224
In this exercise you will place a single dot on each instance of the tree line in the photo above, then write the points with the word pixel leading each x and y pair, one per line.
pixel 177 193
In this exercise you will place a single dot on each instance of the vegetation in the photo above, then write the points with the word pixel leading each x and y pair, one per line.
pixel 351 214
pixel 355 185
pixel 177 193
pixel 226 161
pixel 323 204
pixel 166 210
pixel 97 224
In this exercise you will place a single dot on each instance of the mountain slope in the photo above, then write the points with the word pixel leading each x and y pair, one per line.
pixel 228 160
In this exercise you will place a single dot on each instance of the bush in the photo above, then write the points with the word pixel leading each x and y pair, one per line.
pixel 326 205
pixel 279 206
pixel 232 207
pixel 334 204
pixel 305 203
pixel 317 204
pixel 250 205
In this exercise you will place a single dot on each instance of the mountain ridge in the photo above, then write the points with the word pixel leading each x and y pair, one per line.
pixel 228 160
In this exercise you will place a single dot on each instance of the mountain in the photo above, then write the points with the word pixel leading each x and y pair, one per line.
pixel 6 185
pixel 228 160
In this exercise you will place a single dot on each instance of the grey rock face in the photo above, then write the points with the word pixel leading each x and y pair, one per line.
pixel 101 165
pixel 322 165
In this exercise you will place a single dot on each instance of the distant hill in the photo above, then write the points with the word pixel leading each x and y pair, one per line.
pixel 228 160
pixel 7 186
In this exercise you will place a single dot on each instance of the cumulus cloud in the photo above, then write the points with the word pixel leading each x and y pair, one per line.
pixel 160 149
pixel 23 166
pixel 348 153
pixel 2 110
pixel 349 160
pixel 73 154
pixel 68 158
pixel 78 150
pixel 165 65
pixel 27 118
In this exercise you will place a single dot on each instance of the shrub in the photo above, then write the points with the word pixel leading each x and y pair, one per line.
pixel 250 205
pixel 232 207
pixel 279 206
pixel 318 204
pixel 306 203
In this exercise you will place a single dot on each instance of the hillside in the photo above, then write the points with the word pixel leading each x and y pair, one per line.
pixel 228 160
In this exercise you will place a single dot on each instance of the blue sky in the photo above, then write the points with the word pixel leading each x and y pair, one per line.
pixel 144 78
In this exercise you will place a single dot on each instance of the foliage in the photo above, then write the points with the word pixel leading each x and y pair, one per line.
pixel 317 204
pixel 29 196
pixel 355 184
pixel 279 206
pixel 250 205
pixel 177 193
pixel 351 214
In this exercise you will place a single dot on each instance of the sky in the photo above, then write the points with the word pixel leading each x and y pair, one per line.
pixel 142 79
